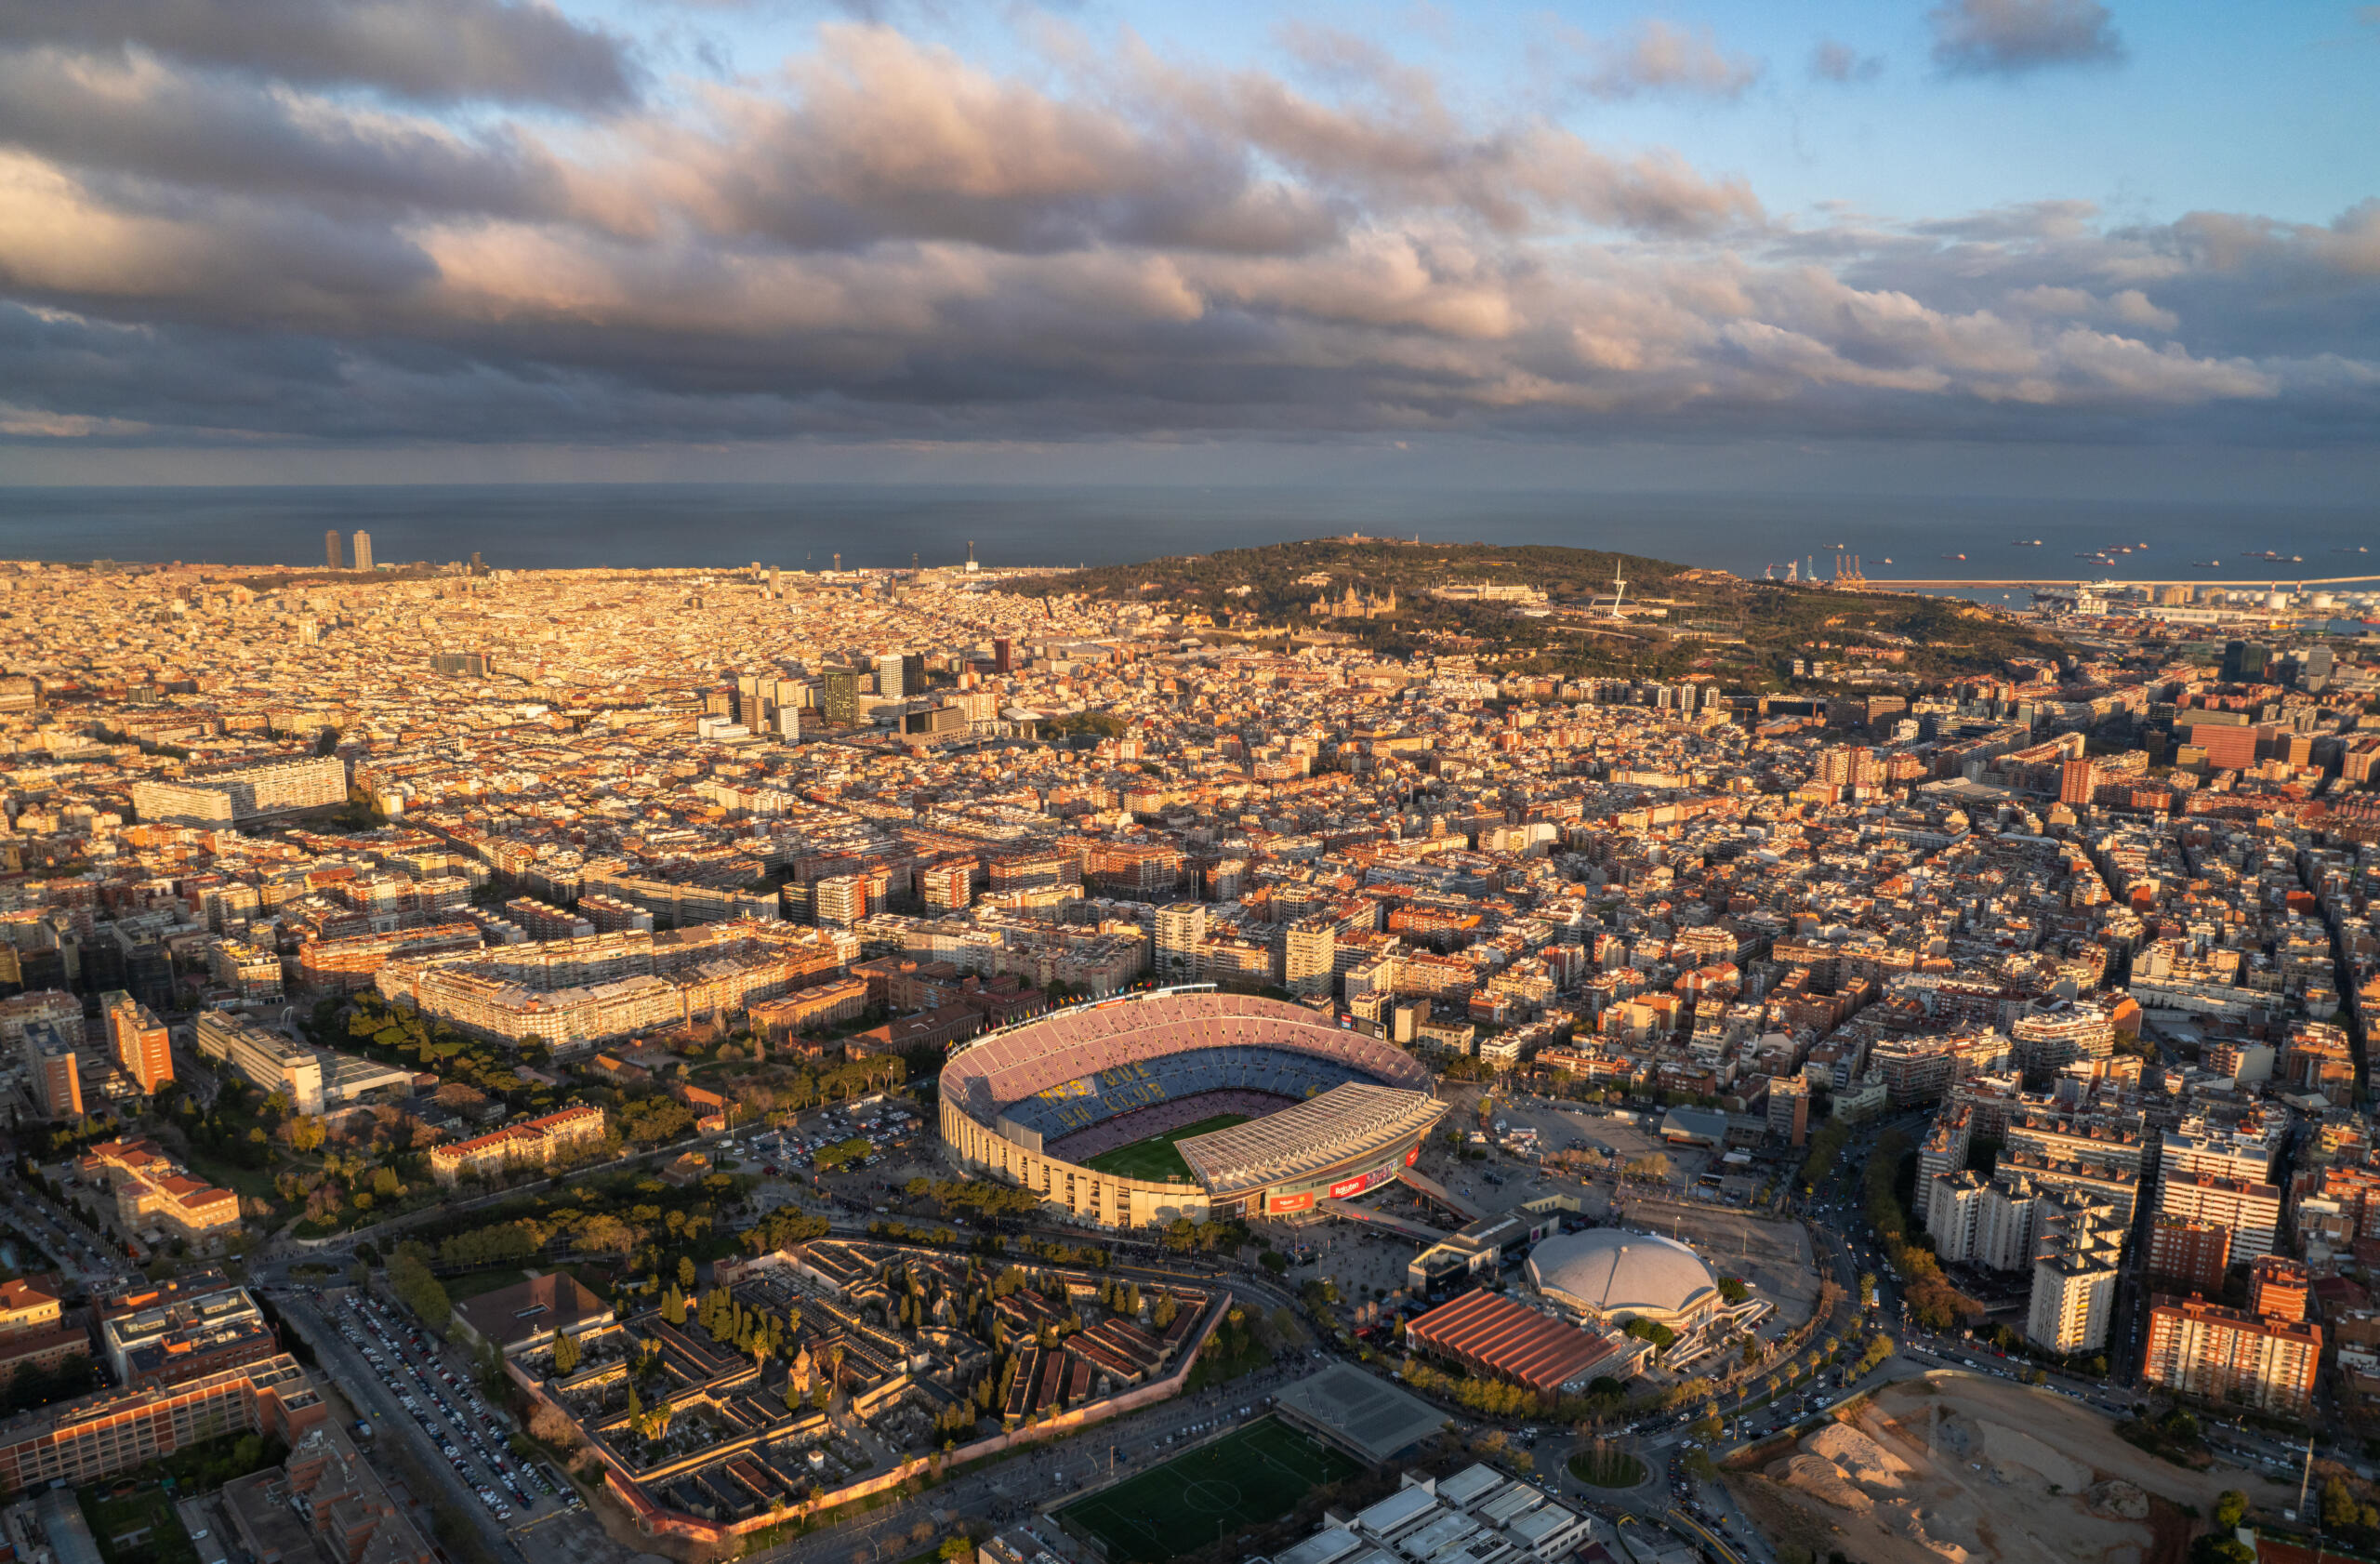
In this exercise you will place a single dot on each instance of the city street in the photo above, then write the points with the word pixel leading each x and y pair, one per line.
pixel 325 1327
pixel 67 1239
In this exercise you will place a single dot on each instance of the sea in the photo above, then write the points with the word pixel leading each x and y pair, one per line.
pixel 564 526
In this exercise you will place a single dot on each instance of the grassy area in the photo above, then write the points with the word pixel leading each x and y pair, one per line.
pixel 1218 1364
pixel 470 1284
pixel 1245 1478
pixel 1154 1159
pixel 239 1180
pixel 138 1526
pixel 1607 1468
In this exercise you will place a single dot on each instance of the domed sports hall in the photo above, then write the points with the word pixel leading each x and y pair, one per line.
pixel 1149 1109
pixel 1611 1276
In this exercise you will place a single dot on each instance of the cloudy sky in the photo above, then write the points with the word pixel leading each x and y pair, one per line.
pixel 1956 240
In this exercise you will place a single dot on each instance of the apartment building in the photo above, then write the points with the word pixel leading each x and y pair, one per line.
pixel 2052 1038
pixel 2187 1253
pixel 137 1040
pixel 2079 1250
pixel 82 1441
pixel 1789 1109
pixel 1307 947
pixel 349 965
pixel 2250 1212
pixel 251 969
pixel 52 1071
pixel 2225 1355
pixel 821 1004
pixel 236 797
pixel 61 1011
pixel 1988 1223
pixel 2278 1289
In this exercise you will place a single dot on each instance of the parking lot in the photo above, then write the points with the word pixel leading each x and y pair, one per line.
pixel 890 1129
pixel 448 1409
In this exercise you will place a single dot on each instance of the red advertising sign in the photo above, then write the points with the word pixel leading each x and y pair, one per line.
pixel 1354 1185
pixel 1284 1203
pixel 1413 1154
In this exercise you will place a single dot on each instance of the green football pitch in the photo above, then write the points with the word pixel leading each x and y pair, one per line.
pixel 1244 1479
pixel 1154 1158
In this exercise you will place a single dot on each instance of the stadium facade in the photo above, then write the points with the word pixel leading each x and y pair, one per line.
pixel 1330 1113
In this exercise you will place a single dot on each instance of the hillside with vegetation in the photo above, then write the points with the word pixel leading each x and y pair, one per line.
pixel 1403 598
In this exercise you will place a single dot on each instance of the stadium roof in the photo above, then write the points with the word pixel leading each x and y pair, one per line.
pixel 1609 1271
pixel 1369 1415
pixel 1013 1065
pixel 1306 1138
pixel 1496 1335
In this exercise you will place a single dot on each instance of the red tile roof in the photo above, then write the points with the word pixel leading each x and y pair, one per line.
pixel 1501 1336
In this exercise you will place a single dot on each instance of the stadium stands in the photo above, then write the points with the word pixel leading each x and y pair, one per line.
pixel 1141 1124
pixel 1032 1103
pixel 1071 1070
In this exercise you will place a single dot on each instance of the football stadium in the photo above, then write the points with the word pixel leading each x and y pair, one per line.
pixel 1149 1109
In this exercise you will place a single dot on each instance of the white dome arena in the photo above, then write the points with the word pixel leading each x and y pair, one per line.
pixel 1611 1275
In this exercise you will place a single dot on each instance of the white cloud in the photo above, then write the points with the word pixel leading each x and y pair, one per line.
pixel 1660 58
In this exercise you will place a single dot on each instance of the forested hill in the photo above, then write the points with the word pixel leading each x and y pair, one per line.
pixel 1549 609
pixel 1376 565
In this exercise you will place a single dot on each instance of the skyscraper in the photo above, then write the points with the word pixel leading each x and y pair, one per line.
pixel 900 675
pixel 841 701
pixel 330 548
pixel 1000 655
pixel 362 543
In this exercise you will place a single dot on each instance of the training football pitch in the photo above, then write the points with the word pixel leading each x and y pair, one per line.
pixel 1245 1478
pixel 1154 1158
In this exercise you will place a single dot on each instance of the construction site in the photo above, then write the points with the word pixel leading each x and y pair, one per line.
pixel 1957 1469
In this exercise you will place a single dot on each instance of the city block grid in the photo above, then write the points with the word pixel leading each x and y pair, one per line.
pixel 1417 1006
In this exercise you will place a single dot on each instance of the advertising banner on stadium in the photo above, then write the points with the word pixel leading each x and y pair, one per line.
pixel 1413 1154
pixel 1359 1183
pixel 1282 1204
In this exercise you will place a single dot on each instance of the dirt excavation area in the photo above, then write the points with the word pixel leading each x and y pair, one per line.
pixel 1956 1470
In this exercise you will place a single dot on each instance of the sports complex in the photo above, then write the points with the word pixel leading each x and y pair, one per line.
pixel 1248 1477
pixel 1152 1107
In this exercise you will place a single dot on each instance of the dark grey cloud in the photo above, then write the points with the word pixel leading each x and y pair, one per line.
pixel 1839 62
pixel 2012 37
pixel 142 119
pixel 886 240
pixel 429 50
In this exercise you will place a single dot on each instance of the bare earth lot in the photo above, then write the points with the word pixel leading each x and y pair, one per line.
pixel 1953 1470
